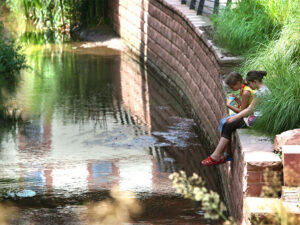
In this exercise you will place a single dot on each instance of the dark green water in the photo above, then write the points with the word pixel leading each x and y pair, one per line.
pixel 96 119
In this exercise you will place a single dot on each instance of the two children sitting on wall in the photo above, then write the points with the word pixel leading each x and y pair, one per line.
pixel 244 117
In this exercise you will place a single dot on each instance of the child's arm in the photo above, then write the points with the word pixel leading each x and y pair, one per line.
pixel 244 103
pixel 244 113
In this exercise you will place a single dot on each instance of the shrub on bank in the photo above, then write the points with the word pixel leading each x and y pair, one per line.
pixel 11 61
pixel 269 39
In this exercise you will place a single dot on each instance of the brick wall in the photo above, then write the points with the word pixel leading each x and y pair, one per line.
pixel 155 30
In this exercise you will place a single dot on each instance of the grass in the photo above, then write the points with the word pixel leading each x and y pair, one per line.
pixel 281 59
pixel 241 28
pixel 267 34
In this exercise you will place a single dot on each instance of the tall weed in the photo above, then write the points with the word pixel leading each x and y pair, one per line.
pixel 281 60
pixel 251 23
pixel 242 28
pixel 267 34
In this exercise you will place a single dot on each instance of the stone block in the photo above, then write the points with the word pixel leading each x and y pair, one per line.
pixel 290 137
pixel 291 165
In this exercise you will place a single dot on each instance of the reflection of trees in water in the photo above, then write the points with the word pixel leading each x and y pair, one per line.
pixel 164 162
pixel 8 108
pixel 78 86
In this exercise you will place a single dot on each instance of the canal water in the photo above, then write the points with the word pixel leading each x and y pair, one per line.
pixel 95 119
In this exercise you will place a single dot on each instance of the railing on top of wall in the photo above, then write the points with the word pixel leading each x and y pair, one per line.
pixel 206 7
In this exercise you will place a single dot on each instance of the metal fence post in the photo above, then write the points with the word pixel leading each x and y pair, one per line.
pixel 193 4
pixel 216 6
pixel 200 7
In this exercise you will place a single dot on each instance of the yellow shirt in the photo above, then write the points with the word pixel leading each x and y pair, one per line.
pixel 247 88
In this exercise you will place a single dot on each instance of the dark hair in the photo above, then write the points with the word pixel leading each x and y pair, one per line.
pixel 232 78
pixel 255 75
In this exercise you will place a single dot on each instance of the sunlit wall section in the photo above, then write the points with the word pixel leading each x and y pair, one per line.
pixel 129 19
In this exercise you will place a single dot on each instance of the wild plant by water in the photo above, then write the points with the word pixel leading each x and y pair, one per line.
pixel 194 188
pixel 11 61
pixel 60 15
pixel 118 210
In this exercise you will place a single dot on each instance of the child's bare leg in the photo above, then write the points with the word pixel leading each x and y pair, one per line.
pixel 228 148
pixel 219 151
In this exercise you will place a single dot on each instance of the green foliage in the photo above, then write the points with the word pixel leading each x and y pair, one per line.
pixel 193 188
pixel 11 61
pixel 267 34
pixel 60 14
pixel 240 29
pixel 41 38
pixel 45 14
pixel 281 60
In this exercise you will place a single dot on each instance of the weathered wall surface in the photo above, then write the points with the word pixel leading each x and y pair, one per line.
pixel 169 43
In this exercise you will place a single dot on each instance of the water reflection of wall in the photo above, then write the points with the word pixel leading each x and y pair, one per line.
pixel 102 174
pixel 159 108
pixel 135 95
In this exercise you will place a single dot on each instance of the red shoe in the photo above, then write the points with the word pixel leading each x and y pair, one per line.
pixel 209 161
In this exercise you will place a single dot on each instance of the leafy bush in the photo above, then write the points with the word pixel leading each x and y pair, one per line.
pixel 11 61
